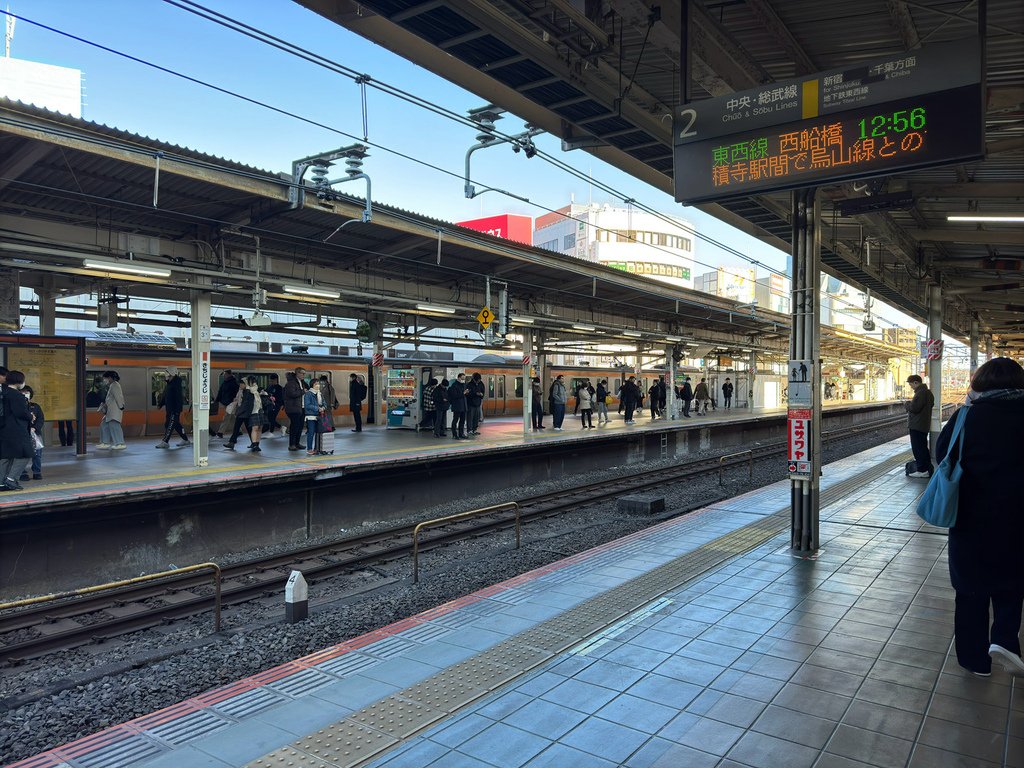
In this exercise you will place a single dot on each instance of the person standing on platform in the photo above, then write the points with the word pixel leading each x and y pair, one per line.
pixel 985 564
pixel 16 447
pixel 558 397
pixel 311 413
pixel 276 393
pixel 66 431
pixel 652 400
pixel 429 414
pixel 457 400
pixel 727 390
pixel 475 403
pixel 686 395
pixel 585 397
pixel 537 412
pixel 619 395
pixel 330 400
pixel 248 416
pixel 112 408
pixel 919 421
pixel 630 398
pixel 356 395
pixel 38 422
pixel 601 399
pixel 172 400
pixel 702 396
pixel 662 398
pixel 440 396
pixel 227 392
pixel 293 409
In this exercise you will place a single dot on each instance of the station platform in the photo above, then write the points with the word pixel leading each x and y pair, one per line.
pixel 698 642
pixel 143 472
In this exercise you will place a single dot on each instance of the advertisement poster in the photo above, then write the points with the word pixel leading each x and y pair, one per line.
pixel 50 371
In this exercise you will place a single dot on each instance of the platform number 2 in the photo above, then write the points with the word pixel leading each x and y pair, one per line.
pixel 692 115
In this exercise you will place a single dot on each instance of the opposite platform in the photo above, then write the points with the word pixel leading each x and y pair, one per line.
pixel 707 644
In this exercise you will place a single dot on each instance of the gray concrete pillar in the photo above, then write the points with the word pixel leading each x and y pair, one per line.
pixel 47 312
pixel 974 345
pixel 935 365
pixel 202 378
pixel 988 348
pixel 670 391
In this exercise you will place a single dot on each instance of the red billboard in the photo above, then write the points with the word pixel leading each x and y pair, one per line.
pixel 508 225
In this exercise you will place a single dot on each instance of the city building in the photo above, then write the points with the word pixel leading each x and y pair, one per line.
pixel 735 283
pixel 659 247
pixel 508 225
pixel 772 293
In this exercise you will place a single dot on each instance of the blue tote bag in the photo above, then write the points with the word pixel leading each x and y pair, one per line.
pixel 939 501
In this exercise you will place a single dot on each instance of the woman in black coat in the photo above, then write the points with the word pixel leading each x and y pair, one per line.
pixel 986 546
pixel 16 446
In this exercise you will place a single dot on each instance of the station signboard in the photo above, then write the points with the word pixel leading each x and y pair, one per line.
pixel 799 442
pixel 911 110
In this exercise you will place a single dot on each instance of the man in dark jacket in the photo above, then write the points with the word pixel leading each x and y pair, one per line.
pixel 276 392
pixel 356 395
pixel 172 400
pixel 457 400
pixel 228 389
pixel 293 409
pixel 440 396
pixel 475 403
pixel 16 445
pixel 727 392
pixel 630 398
pixel 686 395
pixel 919 420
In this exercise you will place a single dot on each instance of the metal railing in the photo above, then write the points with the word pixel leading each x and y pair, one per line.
pixel 131 582
pixel 721 459
pixel 450 519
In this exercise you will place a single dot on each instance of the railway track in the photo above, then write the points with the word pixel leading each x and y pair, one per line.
pixel 34 631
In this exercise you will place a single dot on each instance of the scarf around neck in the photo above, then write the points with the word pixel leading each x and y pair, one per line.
pixel 993 394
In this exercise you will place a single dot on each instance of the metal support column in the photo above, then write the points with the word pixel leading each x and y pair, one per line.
pixel 527 382
pixel 804 345
pixel 47 312
pixel 988 348
pixel 670 391
pixel 751 379
pixel 974 345
pixel 202 373
pixel 374 403
pixel 935 366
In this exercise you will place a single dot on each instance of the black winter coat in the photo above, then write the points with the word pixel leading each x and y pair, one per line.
pixel 630 394
pixel 174 396
pixel 686 392
pixel 987 542
pixel 457 396
pixel 356 393
pixel 440 399
pixel 228 390
pixel 475 393
pixel 246 407
pixel 15 438
pixel 292 396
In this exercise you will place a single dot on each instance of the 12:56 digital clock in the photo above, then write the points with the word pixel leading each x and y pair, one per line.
pixel 897 122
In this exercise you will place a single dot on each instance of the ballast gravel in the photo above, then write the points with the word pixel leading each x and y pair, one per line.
pixel 68 695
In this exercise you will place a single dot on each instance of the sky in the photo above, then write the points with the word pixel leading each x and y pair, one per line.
pixel 137 98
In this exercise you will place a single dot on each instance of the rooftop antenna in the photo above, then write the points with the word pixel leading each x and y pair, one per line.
pixel 9 33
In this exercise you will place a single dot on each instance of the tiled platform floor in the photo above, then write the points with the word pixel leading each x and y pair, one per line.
pixel 142 467
pixel 761 660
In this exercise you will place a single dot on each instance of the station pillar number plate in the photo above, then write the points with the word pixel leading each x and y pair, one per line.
pixel 486 317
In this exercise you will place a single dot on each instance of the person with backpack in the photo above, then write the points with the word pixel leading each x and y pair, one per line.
pixel 601 398
pixel 356 395
pixel 686 395
pixel 585 398
pixel 558 397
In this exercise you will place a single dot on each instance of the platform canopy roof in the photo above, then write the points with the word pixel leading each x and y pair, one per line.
pixel 604 75
pixel 81 202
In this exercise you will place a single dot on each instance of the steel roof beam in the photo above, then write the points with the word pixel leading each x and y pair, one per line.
pixel 970 190
pixel 777 28
pixel 970 236
pixel 904 23
pixel 20 161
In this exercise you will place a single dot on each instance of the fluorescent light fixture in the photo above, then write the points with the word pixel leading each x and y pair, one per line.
pixel 435 308
pixel 305 290
pixel 130 268
pixel 523 321
pixel 993 219
pixel 580 327
pixel 673 338
pixel 634 334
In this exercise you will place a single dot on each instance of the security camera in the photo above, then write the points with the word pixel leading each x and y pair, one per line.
pixel 258 320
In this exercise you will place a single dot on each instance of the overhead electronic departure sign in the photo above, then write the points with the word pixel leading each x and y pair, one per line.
pixel 877 119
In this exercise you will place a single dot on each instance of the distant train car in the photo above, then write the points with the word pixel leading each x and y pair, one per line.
pixel 142 359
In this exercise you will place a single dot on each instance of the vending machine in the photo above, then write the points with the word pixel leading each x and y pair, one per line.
pixel 403 398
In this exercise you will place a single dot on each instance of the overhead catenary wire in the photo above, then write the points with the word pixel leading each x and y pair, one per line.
pixel 361 78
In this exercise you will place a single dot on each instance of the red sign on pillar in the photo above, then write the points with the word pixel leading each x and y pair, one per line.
pixel 799 442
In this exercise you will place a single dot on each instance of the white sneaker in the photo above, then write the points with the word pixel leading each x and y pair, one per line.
pixel 558 429
pixel 918 474
pixel 162 444
pixel 104 446
pixel 1010 661
pixel 183 443
pixel 119 447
